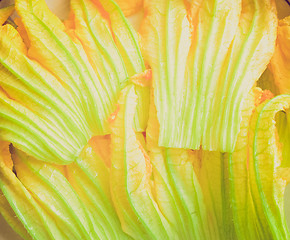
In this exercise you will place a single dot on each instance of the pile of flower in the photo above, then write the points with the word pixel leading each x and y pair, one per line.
pixel 178 131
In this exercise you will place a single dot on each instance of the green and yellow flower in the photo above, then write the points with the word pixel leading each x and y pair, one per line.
pixel 166 133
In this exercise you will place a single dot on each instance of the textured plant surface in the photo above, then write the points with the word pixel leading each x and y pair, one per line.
pixel 178 131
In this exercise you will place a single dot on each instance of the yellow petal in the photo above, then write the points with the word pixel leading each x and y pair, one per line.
pixel 265 157
pixel 54 194
pixel 102 146
pixel 35 220
pixel 90 178
pixel 11 218
pixel 166 40
pixel 66 59
pixel 5 208
pixel 280 61
pixel 21 30
pixel 130 7
pixel 5 13
pixel 127 41
pixel 130 183
pixel 35 90
pixel 238 172
pixel 5 154
pixel 176 188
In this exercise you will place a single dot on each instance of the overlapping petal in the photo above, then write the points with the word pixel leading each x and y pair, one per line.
pixel 80 157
